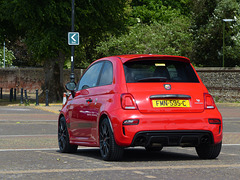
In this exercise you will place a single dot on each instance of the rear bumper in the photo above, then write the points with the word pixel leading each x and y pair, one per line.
pixel 172 138
pixel 170 129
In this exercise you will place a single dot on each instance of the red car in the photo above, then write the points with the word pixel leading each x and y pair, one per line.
pixel 140 100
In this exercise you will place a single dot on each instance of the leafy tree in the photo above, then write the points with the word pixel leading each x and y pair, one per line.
pixel 158 38
pixel 207 28
pixel 8 57
pixel 149 11
pixel 43 26
pixel 97 20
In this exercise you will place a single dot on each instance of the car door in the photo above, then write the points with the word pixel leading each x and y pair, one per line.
pixel 81 118
pixel 101 95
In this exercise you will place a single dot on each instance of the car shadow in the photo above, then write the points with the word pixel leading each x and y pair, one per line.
pixel 164 155
pixel 140 154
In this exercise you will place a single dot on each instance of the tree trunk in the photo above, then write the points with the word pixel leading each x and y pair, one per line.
pixel 53 69
pixel 61 66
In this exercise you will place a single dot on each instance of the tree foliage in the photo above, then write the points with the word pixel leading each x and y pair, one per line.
pixel 157 27
pixel 149 11
pixel 43 27
pixel 202 41
pixel 208 32
pixel 9 56
pixel 158 38
pixel 96 20
pixel 36 31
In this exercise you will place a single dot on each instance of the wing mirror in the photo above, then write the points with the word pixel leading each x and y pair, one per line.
pixel 70 86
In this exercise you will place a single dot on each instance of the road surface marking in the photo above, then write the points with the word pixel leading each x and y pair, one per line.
pixel 138 172
pixel 38 171
pixel 151 177
pixel 19 120
pixel 231 144
pixel 43 149
pixel 82 147
pixel 28 135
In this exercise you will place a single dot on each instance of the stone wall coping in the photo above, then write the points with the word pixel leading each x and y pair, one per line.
pixel 217 69
pixel 197 68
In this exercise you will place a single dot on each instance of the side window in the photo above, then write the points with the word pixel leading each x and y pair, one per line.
pixel 107 74
pixel 90 77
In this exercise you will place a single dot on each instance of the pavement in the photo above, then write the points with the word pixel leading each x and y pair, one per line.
pixel 54 108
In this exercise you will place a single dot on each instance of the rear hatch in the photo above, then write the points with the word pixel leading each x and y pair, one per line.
pixel 153 97
pixel 164 86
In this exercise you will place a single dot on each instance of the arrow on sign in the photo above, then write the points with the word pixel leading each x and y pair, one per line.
pixel 73 37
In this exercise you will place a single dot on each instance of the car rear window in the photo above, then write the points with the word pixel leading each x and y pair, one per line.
pixel 159 71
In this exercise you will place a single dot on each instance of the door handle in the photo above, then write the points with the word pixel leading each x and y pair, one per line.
pixel 89 100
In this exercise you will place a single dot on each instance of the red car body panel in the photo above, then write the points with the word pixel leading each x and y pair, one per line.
pixel 83 117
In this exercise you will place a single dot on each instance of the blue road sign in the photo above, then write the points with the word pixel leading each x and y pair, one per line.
pixel 73 38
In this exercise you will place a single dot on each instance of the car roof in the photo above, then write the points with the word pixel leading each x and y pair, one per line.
pixel 133 57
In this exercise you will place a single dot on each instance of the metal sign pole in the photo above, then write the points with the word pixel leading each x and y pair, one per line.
pixel 72 76
pixel 223 43
pixel 4 61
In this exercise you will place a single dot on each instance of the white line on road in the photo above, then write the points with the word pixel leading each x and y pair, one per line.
pixel 204 166
pixel 82 147
pixel 19 120
pixel 15 109
pixel 231 121
pixel 231 144
pixel 231 132
pixel 44 149
pixel 230 118
pixel 28 135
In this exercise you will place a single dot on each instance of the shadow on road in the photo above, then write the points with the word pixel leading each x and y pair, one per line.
pixel 137 154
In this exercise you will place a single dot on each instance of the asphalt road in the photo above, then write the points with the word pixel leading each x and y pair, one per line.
pixel 29 150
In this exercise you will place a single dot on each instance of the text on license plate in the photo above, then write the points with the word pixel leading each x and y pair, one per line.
pixel 170 103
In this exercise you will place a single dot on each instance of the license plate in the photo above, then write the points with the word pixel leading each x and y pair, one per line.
pixel 170 103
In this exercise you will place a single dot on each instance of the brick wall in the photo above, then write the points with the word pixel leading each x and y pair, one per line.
pixel 222 83
pixel 28 78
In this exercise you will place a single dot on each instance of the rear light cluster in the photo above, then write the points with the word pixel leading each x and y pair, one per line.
pixel 131 122
pixel 128 102
pixel 214 121
pixel 209 102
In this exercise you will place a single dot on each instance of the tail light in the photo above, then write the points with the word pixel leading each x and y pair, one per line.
pixel 209 102
pixel 131 122
pixel 128 102
pixel 214 121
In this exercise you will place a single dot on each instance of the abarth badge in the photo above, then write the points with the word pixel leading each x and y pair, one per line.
pixel 167 86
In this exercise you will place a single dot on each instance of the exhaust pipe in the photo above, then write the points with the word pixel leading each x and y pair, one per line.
pixel 204 140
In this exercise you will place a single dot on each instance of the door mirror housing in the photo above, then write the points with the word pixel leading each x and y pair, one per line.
pixel 70 86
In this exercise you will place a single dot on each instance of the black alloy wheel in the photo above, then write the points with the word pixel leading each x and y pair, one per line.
pixel 63 138
pixel 109 149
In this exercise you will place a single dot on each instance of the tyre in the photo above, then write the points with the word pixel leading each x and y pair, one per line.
pixel 63 138
pixel 109 150
pixel 209 151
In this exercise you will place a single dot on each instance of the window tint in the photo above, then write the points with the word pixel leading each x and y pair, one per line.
pixel 90 77
pixel 159 71
pixel 106 74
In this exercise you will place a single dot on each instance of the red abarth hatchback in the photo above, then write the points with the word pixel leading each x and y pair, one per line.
pixel 140 100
